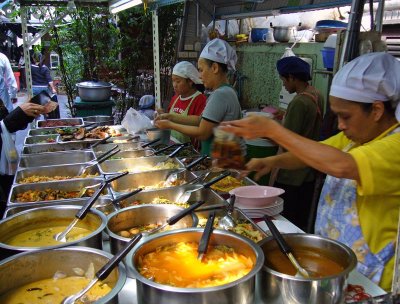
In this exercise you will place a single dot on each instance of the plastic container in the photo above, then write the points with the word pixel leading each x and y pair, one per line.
pixel 328 58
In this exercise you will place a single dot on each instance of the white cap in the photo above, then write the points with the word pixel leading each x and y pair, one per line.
pixel 185 69
pixel 146 101
pixel 369 78
pixel 219 50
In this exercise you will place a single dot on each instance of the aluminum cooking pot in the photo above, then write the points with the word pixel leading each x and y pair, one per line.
pixel 94 90
pixel 284 33
pixel 276 287
pixel 240 291
pixel 29 267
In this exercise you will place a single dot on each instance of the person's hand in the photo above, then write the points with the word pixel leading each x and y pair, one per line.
pixel 162 124
pixel 253 126
pixel 32 109
pixel 163 116
pixel 261 166
pixel 50 106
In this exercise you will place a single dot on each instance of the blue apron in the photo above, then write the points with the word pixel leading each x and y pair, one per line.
pixel 337 218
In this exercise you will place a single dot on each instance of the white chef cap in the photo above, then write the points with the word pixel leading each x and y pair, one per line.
pixel 185 69
pixel 219 50
pixel 146 101
pixel 368 78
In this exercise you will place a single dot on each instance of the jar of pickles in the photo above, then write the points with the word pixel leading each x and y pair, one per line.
pixel 227 151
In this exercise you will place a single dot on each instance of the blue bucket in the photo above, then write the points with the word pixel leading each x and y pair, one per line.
pixel 328 58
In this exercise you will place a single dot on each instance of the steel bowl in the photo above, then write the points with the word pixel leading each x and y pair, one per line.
pixel 275 287
pixel 28 267
pixel 240 291
pixel 94 90
pixel 284 33
pixel 142 215
pixel 42 217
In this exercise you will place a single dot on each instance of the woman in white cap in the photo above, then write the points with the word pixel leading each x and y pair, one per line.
pixel 188 102
pixel 360 200
pixel 216 59
pixel 146 106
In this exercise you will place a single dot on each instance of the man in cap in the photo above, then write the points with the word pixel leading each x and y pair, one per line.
pixel 304 117
pixel 359 203
pixel 188 102
pixel 216 59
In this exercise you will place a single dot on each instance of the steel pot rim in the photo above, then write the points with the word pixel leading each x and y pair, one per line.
pixel 259 257
pixel 99 229
pixel 345 271
pixel 94 84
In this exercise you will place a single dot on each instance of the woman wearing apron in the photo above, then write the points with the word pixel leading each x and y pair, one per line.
pixel 188 103
pixel 215 60
pixel 360 200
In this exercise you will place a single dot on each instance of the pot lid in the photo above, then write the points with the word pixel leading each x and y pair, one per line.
pixel 94 84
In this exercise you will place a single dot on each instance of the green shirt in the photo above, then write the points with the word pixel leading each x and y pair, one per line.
pixel 302 118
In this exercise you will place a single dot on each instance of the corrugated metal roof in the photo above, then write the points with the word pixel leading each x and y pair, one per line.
pixel 60 3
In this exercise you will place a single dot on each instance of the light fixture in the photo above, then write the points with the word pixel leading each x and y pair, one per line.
pixel 71 5
pixel 123 5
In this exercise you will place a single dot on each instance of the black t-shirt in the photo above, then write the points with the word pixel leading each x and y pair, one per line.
pixel 40 75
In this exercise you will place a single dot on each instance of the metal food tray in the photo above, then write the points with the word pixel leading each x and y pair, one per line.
pixel 201 167
pixel 40 139
pixel 54 147
pixel 133 181
pixel 61 170
pixel 77 121
pixel 103 200
pixel 67 185
pixel 237 214
pixel 51 159
pixel 131 146
pixel 127 138
pixel 234 173
pixel 132 154
pixel 182 153
pixel 42 131
pixel 172 194
pixel 133 164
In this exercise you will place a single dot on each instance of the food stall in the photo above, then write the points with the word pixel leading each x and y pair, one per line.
pixel 52 184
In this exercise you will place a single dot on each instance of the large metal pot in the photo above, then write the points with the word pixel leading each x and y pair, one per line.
pixel 284 33
pixel 240 291
pixel 275 287
pixel 28 267
pixel 46 217
pixel 94 90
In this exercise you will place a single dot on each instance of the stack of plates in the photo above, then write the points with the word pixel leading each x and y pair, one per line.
pixel 259 212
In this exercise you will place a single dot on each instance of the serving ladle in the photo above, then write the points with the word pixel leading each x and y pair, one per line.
pixel 227 222
pixel 105 270
pixel 285 248
pixel 62 236
pixel 102 158
pixel 184 197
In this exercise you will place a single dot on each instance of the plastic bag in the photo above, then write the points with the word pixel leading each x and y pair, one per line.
pixel 9 154
pixel 135 121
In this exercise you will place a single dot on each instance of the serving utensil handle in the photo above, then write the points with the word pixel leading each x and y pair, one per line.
pixel 181 146
pixel 174 219
pixel 85 209
pixel 108 156
pixel 196 162
pixel 164 149
pixel 107 152
pixel 151 142
pixel 217 179
pixel 102 141
pixel 205 237
pixel 107 268
pixel 277 235
pixel 127 195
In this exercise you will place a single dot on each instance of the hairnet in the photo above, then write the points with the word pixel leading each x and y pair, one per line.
pixel 293 65
pixel 369 78
pixel 219 50
pixel 146 101
pixel 185 69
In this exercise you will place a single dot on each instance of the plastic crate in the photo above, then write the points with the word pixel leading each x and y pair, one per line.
pixel 84 109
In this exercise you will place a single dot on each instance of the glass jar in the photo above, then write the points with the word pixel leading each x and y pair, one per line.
pixel 227 151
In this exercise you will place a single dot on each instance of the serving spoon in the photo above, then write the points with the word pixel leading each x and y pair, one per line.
pixel 285 248
pixel 110 153
pixel 105 270
pixel 205 237
pixel 227 222
pixel 62 236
